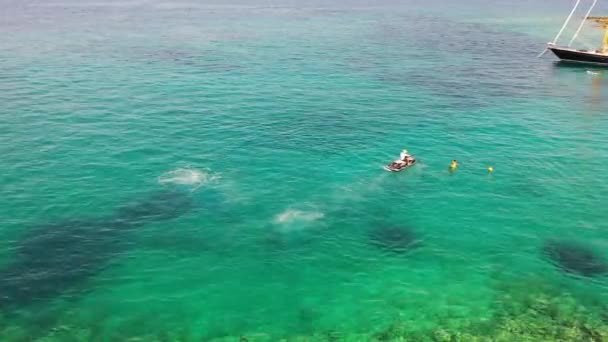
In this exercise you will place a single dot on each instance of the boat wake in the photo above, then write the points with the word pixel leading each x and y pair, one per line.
pixel 593 73
pixel 188 177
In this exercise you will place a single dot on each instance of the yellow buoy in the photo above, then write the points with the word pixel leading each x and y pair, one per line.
pixel 491 169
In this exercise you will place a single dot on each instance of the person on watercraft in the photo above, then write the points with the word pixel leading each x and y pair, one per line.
pixel 454 164
pixel 399 163
pixel 405 160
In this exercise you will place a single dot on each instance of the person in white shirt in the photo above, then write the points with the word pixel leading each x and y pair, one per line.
pixel 404 159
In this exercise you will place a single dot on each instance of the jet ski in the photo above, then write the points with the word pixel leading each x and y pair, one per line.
pixel 396 166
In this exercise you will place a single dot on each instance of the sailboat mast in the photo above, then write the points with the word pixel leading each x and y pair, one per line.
pixel 595 56
pixel 580 27
pixel 566 22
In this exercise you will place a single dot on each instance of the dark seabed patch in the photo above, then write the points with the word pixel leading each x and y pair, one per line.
pixel 394 239
pixel 485 68
pixel 161 205
pixel 280 243
pixel 209 61
pixel 55 258
pixel 575 258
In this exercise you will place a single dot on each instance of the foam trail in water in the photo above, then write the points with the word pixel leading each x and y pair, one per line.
pixel 292 220
pixel 593 73
pixel 190 177
pixel 292 215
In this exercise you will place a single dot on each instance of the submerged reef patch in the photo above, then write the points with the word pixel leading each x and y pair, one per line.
pixel 57 257
pixel 53 258
pixel 161 205
pixel 534 316
pixel 394 239
pixel 575 258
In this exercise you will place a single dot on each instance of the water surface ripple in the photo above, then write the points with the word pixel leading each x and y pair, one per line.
pixel 183 171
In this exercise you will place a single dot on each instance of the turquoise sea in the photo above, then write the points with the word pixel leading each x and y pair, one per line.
pixel 179 170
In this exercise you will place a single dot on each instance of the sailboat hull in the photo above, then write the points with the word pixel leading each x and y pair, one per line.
pixel 579 56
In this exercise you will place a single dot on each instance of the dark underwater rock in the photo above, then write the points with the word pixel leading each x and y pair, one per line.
pixel 55 258
pixel 394 239
pixel 162 205
pixel 575 258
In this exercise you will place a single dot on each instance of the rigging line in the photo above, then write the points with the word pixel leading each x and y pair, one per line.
pixel 580 27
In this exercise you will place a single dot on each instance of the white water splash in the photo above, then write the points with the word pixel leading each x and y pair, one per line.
pixel 293 215
pixel 592 73
pixel 188 177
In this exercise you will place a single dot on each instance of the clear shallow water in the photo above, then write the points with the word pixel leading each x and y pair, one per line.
pixel 288 112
